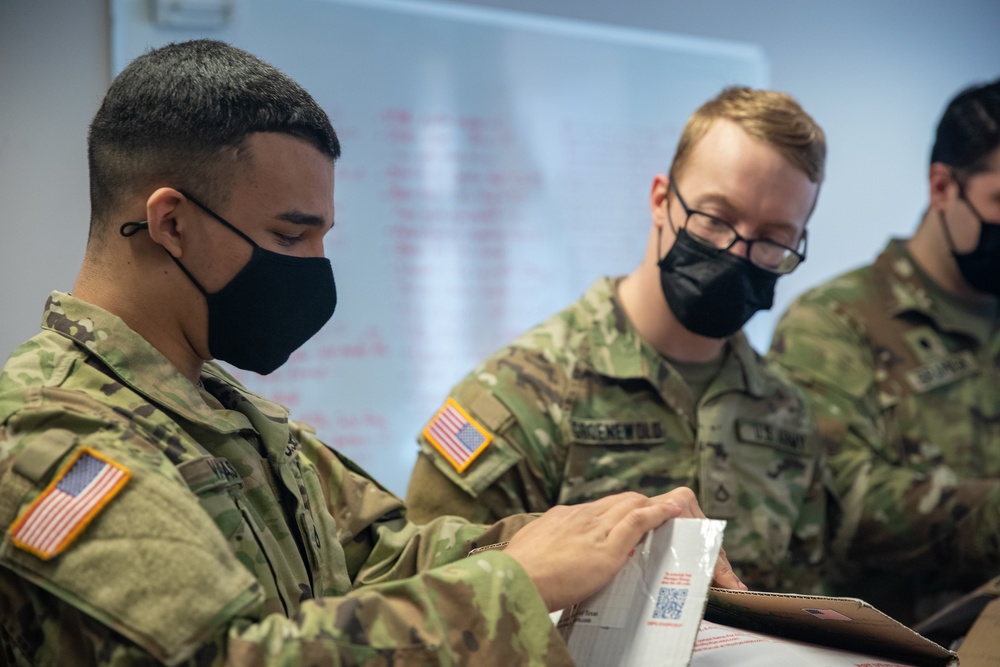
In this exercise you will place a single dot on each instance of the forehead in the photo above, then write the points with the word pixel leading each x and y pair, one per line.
pixel 750 174
pixel 283 171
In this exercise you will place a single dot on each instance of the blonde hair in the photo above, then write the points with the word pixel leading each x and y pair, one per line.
pixel 773 117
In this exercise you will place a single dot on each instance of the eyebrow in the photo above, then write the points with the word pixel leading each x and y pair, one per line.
pixel 300 218
pixel 722 200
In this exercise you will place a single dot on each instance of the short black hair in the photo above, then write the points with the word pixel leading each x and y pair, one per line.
pixel 179 115
pixel 969 130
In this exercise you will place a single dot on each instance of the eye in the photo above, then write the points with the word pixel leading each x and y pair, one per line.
pixel 286 240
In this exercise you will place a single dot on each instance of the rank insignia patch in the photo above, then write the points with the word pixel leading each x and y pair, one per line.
pixel 78 493
pixel 455 434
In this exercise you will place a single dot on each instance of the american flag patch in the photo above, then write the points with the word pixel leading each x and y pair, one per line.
pixel 83 487
pixel 455 434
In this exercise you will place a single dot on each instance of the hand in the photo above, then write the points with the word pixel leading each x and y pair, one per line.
pixel 688 508
pixel 572 552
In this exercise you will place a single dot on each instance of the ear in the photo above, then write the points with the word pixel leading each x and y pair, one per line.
pixel 943 188
pixel 165 225
pixel 658 201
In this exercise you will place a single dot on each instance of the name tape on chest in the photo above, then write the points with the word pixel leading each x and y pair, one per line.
pixel 942 371
pixel 78 493
pixel 607 432
pixel 456 436
pixel 765 433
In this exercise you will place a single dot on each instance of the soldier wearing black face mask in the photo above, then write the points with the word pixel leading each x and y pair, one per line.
pixel 154 511
pixel 646 383
pixel 901 360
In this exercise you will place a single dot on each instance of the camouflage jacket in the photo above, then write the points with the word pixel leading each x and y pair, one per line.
pixel 905 386
pixel 237 538
pixel 580 407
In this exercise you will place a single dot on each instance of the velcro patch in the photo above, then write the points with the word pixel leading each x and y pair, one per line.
pixel 772 435
pixel 77 494
pixel 942 371
pixel 611 432
pixel 458 437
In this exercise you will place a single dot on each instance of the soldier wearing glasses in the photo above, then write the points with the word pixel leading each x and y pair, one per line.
pixel 647 383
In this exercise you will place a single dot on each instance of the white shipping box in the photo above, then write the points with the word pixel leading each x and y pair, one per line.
pixel 649 613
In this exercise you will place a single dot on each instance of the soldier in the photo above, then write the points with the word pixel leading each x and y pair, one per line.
pixel 900 362
pixel 156 511
pixel 647 383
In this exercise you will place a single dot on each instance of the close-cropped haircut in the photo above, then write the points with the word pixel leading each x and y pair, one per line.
pixel 773 117
pixel 179 116
pixel 969 130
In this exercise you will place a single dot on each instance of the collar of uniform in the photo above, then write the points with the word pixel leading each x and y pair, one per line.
pixel 268 418
pixel 617 350
pixel 614 348
pixel 899 274
pixel 909 289
pixel 135 362
pixel 743 371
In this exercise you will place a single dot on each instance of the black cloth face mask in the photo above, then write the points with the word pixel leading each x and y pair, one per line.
pixel 713 292
pixel 269 309
pixel 981 266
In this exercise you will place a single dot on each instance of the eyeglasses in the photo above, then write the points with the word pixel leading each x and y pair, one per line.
pixel 719 234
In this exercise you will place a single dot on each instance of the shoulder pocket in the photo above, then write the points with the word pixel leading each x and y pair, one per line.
pixel 175 580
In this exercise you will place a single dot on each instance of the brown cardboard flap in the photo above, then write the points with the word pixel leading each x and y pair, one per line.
pixel 981 647
pixel 955 619
pixel 843 623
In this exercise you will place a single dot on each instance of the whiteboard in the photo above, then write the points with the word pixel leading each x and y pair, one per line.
pixel 494 165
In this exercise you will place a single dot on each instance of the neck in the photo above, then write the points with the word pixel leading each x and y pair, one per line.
pixel 642 298
pixel 931 249
pixel 128 296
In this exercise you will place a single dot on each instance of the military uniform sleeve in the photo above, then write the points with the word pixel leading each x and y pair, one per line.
pixel 897 517
pixel 517 397
pixel 151 579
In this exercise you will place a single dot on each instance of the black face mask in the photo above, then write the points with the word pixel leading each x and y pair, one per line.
pixel 981 267
pixel 269 309
pixel 713 292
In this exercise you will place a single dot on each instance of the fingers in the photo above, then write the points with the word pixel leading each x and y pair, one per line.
pixel 628 516
pixel 641 519
pixel 724 577
pixel 685 502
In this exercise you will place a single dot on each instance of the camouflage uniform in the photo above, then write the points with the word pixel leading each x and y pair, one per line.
pixel 580 407
pixel 905 385
pixel 239 539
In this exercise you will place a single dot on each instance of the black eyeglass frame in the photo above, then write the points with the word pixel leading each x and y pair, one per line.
pixel 737 237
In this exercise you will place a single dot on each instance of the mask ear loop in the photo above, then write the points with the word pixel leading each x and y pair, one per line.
pixel 659 230
pixel 947 234
pixel 944 221
pixel 130 229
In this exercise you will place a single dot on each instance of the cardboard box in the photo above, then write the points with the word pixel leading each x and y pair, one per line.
pixel 848 625
pixel 977 617
pixel 724 646
pixel 652 615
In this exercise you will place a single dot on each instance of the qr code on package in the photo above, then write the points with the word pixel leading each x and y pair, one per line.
pixel 670 603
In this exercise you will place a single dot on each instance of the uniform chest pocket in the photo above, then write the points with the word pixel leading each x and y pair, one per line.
pixel 218 486
pixel 607 456
pixel 773 467
pixel 774 463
